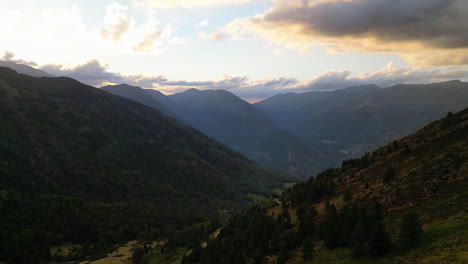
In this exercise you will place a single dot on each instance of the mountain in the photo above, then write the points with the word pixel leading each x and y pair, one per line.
pixel 82 166
pixel 240 126
pixel 359 119
pixel 150 98
pixel 24 69
pixel 287 111
pixel 235 123
pixel 403 203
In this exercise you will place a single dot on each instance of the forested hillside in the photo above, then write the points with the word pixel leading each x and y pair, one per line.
pixel 404 203
pixel 80 165
pixel 228 119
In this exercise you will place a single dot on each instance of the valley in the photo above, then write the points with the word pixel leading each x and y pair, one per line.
pixel 123 174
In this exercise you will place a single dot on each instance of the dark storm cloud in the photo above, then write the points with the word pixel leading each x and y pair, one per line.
pixel 441 23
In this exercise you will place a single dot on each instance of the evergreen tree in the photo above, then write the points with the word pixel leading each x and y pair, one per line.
pixel 348 217
pixel 347 196
pixel 410 231
pixel 390 174
pixel 285 218
pixel 330 227
pixel 308 248
pixel 379 243
pixel 307 224
pixel 359 239
pixel 137 254
pixel 284 252
pixel 376 212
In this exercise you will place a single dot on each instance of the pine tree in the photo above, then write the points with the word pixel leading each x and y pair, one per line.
pixel 410 231
pixel 138 253
pixel 347 196
pixel 359 240
pixel 330 227
pixel 390 174
pixel 308 249
pixel 379 244
pixel 307 224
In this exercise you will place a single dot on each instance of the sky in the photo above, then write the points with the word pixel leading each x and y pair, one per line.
pixel 253 48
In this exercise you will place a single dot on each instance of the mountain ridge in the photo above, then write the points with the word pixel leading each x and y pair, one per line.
pixel 80 165
pixel 360 122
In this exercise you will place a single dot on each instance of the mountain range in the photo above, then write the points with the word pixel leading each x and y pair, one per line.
pixel 308 132
pixel 360 119
pixel 304 133
pixel 151 98
pixel 71 151
pixel 233 122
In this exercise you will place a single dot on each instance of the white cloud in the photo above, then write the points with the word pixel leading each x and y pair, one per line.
pixel 116 22
pixel 202 24
pixel 148 37
pixel 216 36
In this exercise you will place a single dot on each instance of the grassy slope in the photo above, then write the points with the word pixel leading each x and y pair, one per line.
pixel 444 241
pixel 431 180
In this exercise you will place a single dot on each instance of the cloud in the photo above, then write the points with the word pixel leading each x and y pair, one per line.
pixel 117 22
pixel 10 56
pixel 330 80
pixel 201 24
pixel 148 41
pixel 95 73
pixel 188 3
pixel 405 27
pixel 216 36
pixel 146 37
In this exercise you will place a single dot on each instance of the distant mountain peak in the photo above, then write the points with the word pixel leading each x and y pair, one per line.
pixel 24 69
pixel 191 90
pixel 151 98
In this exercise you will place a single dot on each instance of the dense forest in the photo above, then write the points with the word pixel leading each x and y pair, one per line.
pixel 80 165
